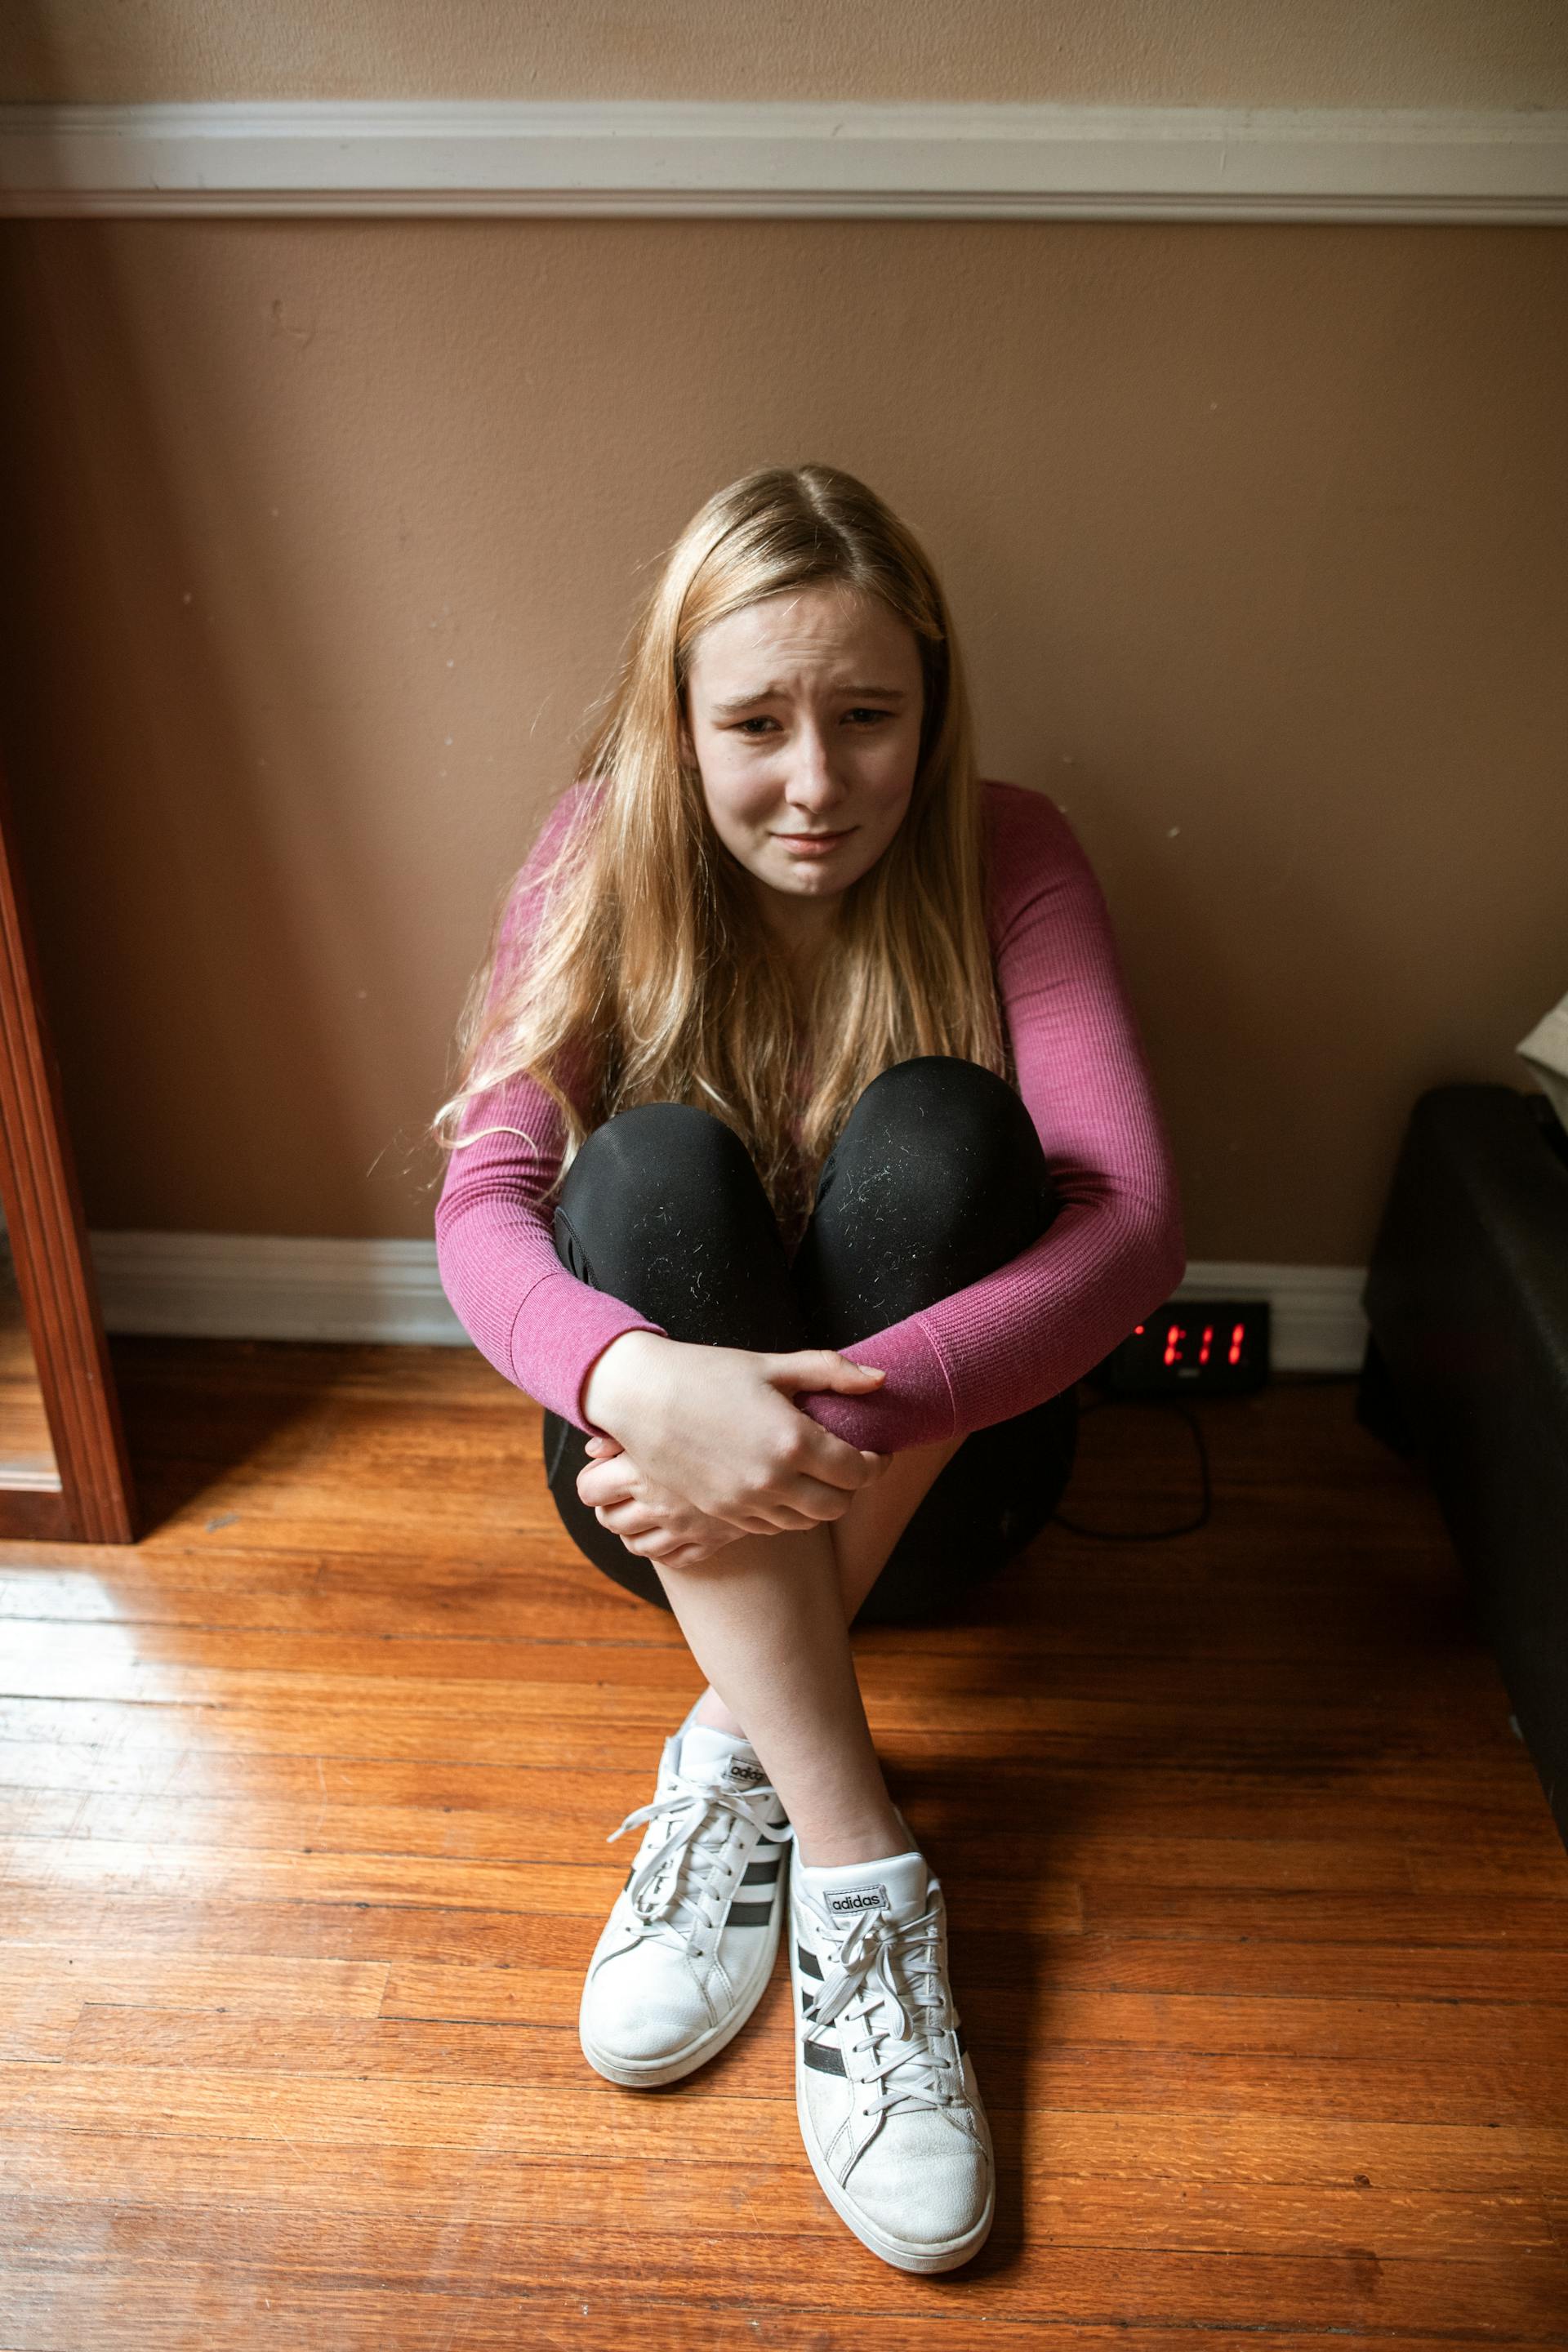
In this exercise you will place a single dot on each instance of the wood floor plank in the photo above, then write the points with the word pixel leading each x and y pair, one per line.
pixel 1251 2068
pixel 514 1732
pixel 780 2199
pixel 1522 2292
pixel 1129 1736
pixel 1373 2038
pixel 1064 1966
pixel 747 2093
pixel 134 2320
pixel 1409 1805
pixel 582 1890
pixel 411 1732
pixel 251 1985
pixel 436 1589
pixel 144 1922
pixel 406 1931
pixel 570 1825
pixel 1121 1908
pixel 45 1659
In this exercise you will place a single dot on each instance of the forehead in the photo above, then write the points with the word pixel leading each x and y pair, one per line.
pixel 809 630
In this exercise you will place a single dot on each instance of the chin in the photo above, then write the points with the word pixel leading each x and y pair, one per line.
pixel 814 879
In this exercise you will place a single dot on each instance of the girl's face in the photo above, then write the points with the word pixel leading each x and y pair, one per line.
pixel 803 715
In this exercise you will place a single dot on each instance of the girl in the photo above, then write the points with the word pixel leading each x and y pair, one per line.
pixel 804 1154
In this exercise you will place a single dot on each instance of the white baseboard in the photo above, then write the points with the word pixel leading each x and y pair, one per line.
pixel 1316 1321
pixel 273 1287
pixel 768 160
pixel 261 1287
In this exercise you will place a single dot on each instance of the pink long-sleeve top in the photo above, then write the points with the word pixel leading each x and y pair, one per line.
pixel 1111 1256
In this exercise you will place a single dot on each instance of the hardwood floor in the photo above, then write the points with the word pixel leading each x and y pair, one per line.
pixel 1260 1920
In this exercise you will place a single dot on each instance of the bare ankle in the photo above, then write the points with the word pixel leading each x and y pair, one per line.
pixel 712 1712
pixel 873 1837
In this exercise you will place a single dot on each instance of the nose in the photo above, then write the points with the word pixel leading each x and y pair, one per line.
pixel 814 788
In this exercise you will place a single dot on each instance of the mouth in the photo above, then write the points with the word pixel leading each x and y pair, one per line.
pixel 814 842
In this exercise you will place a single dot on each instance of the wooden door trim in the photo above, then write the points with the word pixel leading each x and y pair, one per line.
pixel 49 1250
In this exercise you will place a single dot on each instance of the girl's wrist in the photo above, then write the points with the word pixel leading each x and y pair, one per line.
pixel 619 1374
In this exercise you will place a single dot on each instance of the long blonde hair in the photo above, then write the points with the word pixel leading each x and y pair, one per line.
pixel 650 977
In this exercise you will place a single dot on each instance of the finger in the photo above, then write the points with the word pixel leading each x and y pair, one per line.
pixel 659 1546
pixel 821 1367
pixel 605 1482
pixel 789 1519
pixel 818 1499
pixel 628 1518
pixel 646 1547
pixel 828 1461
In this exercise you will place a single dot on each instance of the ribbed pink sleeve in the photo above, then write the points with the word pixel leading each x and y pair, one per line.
pixel 1113 1253
pixel 1115 1250
pixel 495 1247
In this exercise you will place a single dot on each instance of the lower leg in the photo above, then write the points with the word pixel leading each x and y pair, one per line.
pixel 765 1619
pixel 862 1541
pixel 864 1537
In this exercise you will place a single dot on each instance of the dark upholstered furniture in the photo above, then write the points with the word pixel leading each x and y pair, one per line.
pixel 1467 1368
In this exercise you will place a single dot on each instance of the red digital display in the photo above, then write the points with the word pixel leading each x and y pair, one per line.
pixel 1218 1344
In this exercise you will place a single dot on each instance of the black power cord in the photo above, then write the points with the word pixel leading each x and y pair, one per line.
pixel 1148 1535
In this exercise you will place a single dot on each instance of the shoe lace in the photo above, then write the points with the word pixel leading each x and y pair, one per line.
pixel 672 1886
pixel 894 1965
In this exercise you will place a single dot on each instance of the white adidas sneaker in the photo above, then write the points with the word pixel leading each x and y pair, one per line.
pixel 690 1941
pixel 889 2109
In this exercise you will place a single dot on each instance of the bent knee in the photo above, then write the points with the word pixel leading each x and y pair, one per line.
pixel 936 1078
pixel 955 1111
pixel 949 1143
pixel 677 1137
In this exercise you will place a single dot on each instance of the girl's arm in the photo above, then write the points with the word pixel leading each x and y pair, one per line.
pixel 528 1314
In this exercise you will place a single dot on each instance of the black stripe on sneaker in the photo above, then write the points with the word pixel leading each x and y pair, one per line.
pixel 808 1963
pixel 761 1873
pixel 822 2058
pixel 750 1915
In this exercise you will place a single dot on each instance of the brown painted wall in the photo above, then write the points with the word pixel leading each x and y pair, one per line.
pixel 1134 52
pixel 320 537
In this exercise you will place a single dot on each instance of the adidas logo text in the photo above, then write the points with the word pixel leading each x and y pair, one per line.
pixel 859 1898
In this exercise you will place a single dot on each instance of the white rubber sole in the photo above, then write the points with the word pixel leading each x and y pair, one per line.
pixel 647 2074
pixel 947 2253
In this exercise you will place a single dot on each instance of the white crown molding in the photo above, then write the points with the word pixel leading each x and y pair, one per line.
pixel 769 161
pixel 259 1287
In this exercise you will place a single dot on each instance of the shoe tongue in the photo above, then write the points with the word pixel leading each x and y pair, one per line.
pixel 847 1890
pixel 715 1759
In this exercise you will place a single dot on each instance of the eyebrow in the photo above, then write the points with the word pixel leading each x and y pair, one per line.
pixel 768 693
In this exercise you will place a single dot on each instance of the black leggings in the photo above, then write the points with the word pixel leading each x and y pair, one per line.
pixel 937 1177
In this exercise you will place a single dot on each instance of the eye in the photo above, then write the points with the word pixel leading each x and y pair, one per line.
pixel 745 723
pixel 873 715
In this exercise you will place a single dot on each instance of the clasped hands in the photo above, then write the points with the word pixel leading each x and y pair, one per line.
pixel 706 1446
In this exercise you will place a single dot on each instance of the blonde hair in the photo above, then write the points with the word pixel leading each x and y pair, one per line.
pixel 650 976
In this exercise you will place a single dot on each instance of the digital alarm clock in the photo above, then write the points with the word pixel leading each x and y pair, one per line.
pixel 1209 1347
